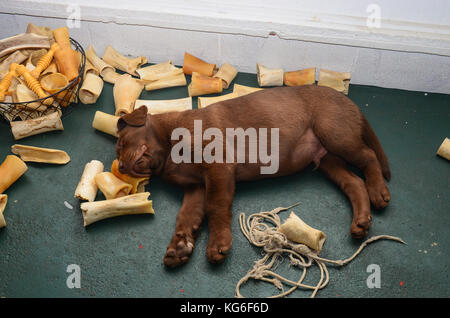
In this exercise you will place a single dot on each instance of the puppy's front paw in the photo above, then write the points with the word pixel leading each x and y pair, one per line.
pixel 219 246
pixel 179 250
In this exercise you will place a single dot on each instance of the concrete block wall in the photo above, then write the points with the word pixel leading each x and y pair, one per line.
pixel 408 55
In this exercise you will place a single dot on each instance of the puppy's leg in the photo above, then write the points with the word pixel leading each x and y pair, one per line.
pixel 220 186
pixel 188 223
pixel 348 144
pixel 353 186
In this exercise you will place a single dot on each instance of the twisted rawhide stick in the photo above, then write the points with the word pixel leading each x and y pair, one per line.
pixel 6 81
pixel 33 84
pixel 45 61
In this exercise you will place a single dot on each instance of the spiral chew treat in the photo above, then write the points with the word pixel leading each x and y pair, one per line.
pixel 33 84
pixel 6 81
pixel 45 61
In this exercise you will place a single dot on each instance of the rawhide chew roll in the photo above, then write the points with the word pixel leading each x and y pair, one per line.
pixel 202 102
pixel 42 155
pixel 3 202
pixel 137 184
pixel 91 89
pixel 30 127
pixel 298 231
pixel 165 106
pixel 202 85
pixel 166 82
pixel 130 204
pixel 121 62
pixel 339 81
pixel 10 170
pixel 444 149
pixel 226 73
pixel 194 64
pixel 269 77
pixel 66 58
pixel 241 90
pixel 106 123
pixel 301 77
pixel 158 71
pixel 111 186
pixel 87 188
pixel 126 90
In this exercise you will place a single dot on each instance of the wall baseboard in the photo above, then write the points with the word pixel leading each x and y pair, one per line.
pixel 399 54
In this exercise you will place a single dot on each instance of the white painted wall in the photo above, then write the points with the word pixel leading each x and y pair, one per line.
pixel 411 50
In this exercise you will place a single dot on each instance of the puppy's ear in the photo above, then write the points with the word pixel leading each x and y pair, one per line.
pixel 136 119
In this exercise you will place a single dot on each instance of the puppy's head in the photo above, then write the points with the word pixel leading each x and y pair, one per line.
pixel 134 146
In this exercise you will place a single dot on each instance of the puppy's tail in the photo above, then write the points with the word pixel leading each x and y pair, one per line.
pixel 372 141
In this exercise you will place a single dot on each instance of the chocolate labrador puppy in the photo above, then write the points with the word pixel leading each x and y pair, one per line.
pixel 308 124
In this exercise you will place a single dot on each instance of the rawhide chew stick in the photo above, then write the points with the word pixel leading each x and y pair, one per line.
pixel 444 149
pixel 33 84
pixel 41 30
pixel 67 59
pixel 130 204
pixel 301 77
pixel 16 57
pixel 91 89
pixel 111 186
pixel 87 187
pixel 126 90
pixel 194 64
pixel 242 90
pixel 158 71
pixel 166 82
pixel 165 106
pixel 10 170
pixel 42 155
pixel 137 184
pixel 3 202
pixel 106 123
pixel 202 85
pixel 90 68
pixel 202 102
pixel 123 63
pixel 226 73
pixel 23 41
pixel 23 94
pixel 337 80
pixel 298 231
pixel 98 63
pixel 45 61
pixel 30 127
pixel 269 77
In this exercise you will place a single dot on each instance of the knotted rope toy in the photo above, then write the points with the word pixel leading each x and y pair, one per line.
pixel 275 243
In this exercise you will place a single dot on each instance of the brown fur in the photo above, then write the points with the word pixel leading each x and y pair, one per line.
pixel 316 124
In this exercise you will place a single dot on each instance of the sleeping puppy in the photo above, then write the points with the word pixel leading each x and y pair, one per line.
pixel 193 149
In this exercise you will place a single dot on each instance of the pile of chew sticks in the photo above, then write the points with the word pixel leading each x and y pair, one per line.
pixel 35 65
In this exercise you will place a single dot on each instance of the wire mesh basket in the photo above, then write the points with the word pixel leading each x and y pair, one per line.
pixel 64 100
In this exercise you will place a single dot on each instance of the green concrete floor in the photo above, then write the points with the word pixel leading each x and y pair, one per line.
pixel 122 257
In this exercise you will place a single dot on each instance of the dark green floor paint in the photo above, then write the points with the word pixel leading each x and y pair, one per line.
pixel 123 256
